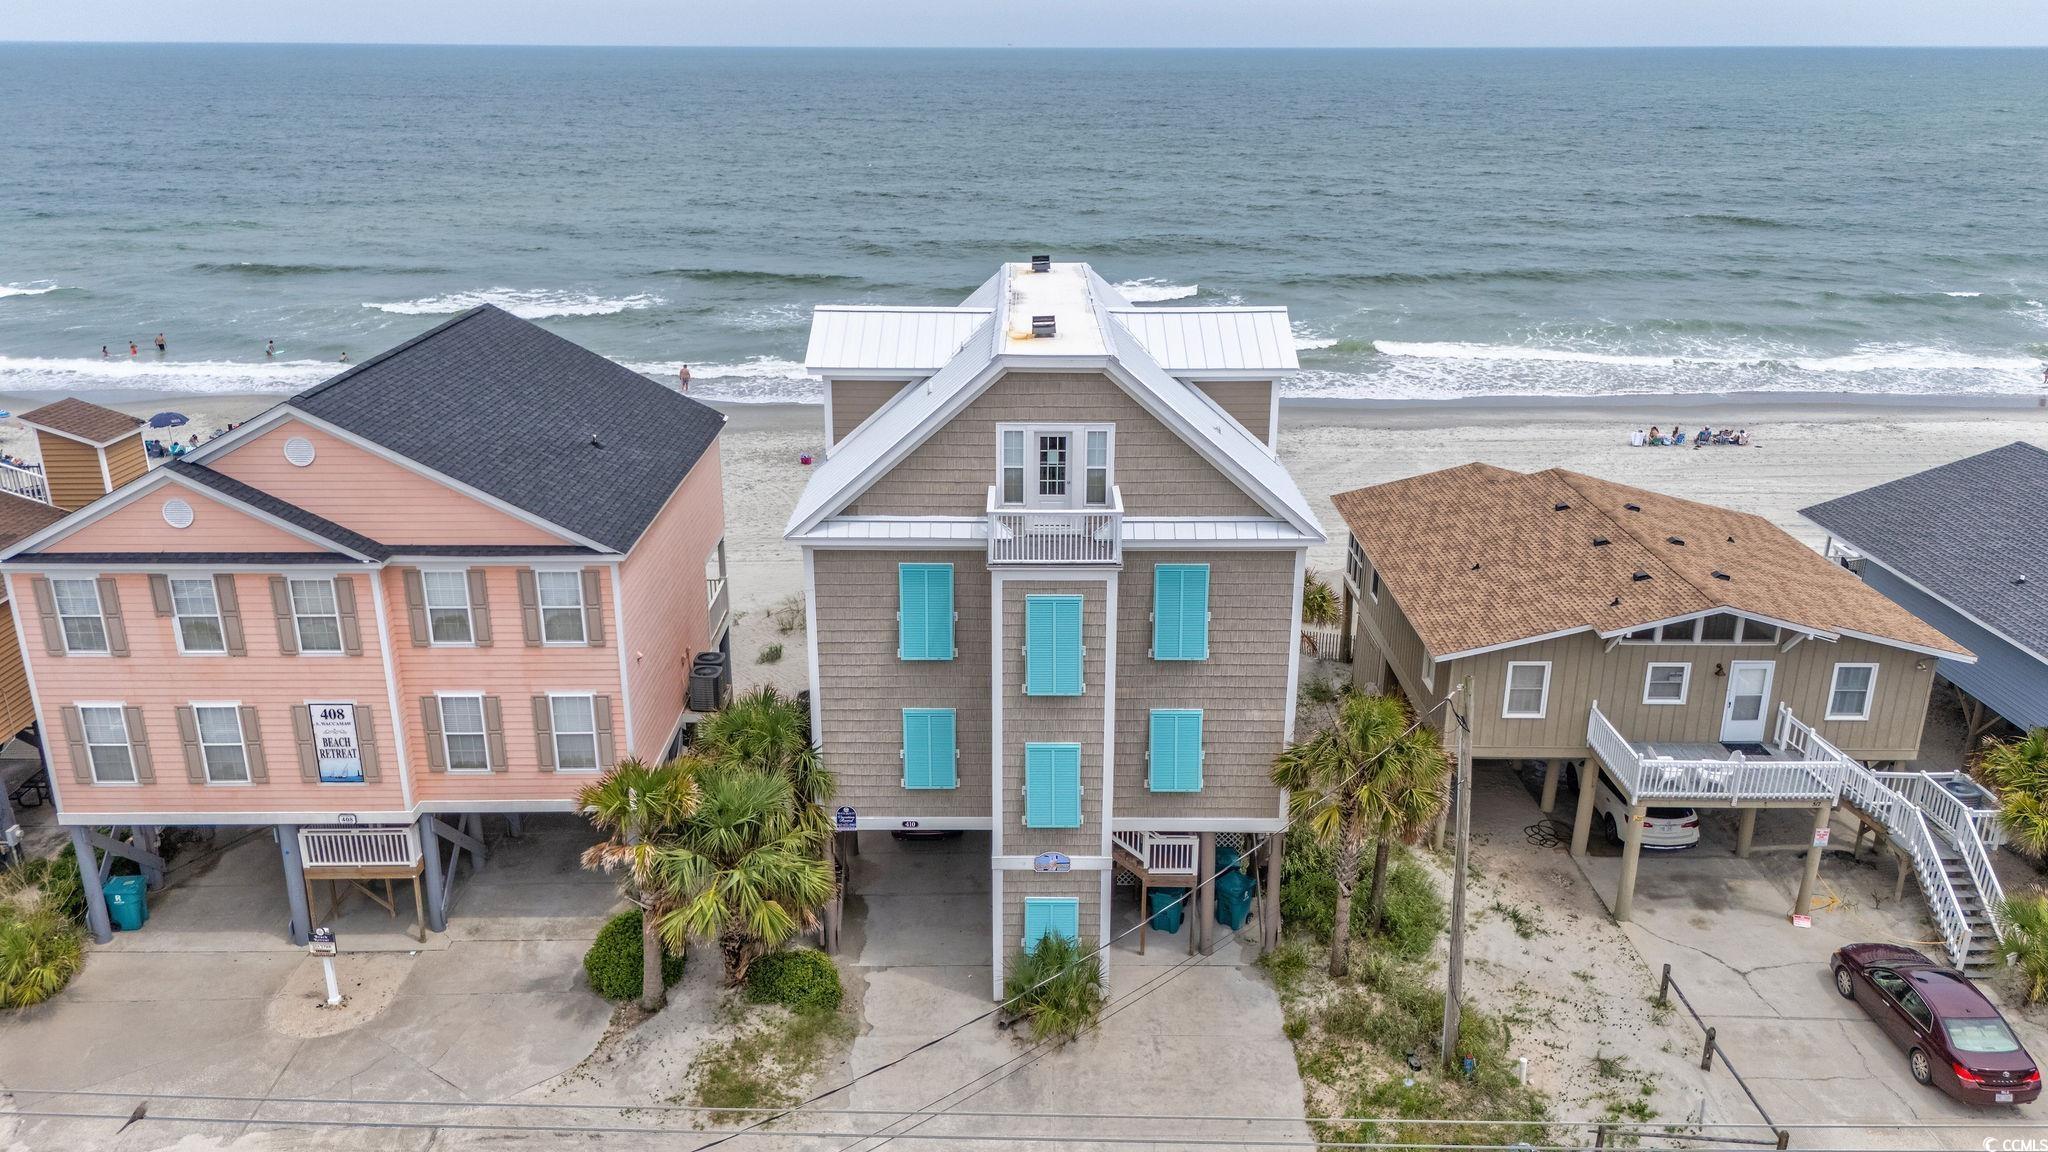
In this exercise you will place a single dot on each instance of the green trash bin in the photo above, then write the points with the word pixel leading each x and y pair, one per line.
pixel 127 904
pixel 1167 908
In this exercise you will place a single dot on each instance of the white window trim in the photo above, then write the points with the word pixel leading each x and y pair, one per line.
pixel 93 769
pixel 299 635
pixel 555 733
pixel 1684 683
pixel 1699 624
pixel 582 622
pixel 468 609
pixel 1508 691
pixel 1869 692
pixel 1077 469
pixel 178 618
pixel 241 741
pixel 100 614
pixel 483 730
pixel 1372 581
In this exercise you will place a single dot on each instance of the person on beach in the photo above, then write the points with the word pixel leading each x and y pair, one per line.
pixel 159 343
pixel 683 378
pixel 1656 435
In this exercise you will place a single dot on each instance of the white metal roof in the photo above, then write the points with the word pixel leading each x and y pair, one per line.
pixel 1188 341
pixel 913 341
pixel 1232 530
pixel 900 528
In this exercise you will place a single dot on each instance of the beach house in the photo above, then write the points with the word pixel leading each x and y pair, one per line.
pixel 459 579
pixel 1053 569
pixel 1680 654
pixel 25 508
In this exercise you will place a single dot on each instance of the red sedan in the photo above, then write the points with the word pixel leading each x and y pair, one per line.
pixel 1954 1038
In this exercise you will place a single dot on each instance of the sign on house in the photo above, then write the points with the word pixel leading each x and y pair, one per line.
pixel 339 753
pixel 1052 862
pixel 845 820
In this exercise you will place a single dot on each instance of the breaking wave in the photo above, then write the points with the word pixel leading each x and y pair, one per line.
pixel 32 288
pixel 29 374
pixel 1152 290
pixel 528 304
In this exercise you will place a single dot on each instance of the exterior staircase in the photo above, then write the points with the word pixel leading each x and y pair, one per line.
pixel 1157 859
pixel 1949 843
pixel 1980 954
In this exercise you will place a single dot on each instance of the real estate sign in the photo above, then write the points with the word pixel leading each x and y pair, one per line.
pixel 335 745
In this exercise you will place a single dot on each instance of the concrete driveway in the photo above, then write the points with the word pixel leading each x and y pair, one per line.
pixel 210 998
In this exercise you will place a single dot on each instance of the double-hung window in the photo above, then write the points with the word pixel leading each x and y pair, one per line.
pixel 221 746
pixel 1849 695
pixel 197 607
pixel 447 595
pixel 1052 785
pixel 575 730
pixel 924 612
pixel 1051 916
pixel 561 606
pixel 1175 752
pixel 1012 466
pixel 316 615
pixel 1180 612
pixel 931 755
pixel 1528 691
pixel 1097 464
pixel 464 734
pixel 1666 683
pixel 106 743
pixel 1052 646
pixel 78 610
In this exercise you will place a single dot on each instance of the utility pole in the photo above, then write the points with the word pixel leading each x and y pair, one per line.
pixel 1461 799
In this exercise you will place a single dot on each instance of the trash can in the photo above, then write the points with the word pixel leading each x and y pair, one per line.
pixel 1234 889
pixel 127 906
pixel 1168 905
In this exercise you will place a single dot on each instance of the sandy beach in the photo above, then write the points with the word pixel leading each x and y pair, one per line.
pixel 1803 450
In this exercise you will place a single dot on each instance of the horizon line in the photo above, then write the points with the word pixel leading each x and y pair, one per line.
pixel 1030 48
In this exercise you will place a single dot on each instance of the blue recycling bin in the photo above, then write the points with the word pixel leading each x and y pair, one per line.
pixel 1234 889
pixel 127 902
pixel 1168 906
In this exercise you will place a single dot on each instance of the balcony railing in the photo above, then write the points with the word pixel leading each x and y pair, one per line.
pixel 1162 853
pixel 360 847
pixel 1056 535
pixel 1805 767
pixel 718 602
pixel 24 482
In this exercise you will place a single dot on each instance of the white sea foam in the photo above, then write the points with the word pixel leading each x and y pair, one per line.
pixel 527 303
pixel 1152 290
pixel 19 374
pixel 1963 295
pixel 1875 358
pixel 32 288
pixel 758 380
pixel 1313 343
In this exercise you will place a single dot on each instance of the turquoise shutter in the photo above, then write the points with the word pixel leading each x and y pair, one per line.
pixel 924 611
pixel 1052 785
pixel 1052 645
pixel 1048 916
pixel 1176 750
pixel 1180 612
pixel 930 754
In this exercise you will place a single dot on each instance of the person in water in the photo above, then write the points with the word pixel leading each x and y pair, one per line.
pixel 159 343
pixel 270 347
pixel 103 351
pixel 683 377
pixel 133 350
pixel 344 357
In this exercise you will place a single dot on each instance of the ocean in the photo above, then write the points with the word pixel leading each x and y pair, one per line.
pixel 1440 223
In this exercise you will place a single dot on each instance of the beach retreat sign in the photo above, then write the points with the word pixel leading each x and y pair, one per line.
pixel 339 753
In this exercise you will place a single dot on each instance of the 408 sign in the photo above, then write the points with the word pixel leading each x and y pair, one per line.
pixel 339 753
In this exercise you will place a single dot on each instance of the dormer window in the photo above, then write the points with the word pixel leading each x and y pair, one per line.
pixel 1054 466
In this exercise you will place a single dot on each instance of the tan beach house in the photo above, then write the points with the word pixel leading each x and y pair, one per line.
pixel 459 579
pixel 1053 568
pixel 1687 654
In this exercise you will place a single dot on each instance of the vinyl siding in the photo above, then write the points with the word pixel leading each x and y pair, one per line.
pixel 863 688
pixel 1241 688
pixel 73 470
pixel 126 459
pixel 1249 402
pixel 138 526
pixel 854 401
pixel 950 474
pixel 2008 679
pixel 1084 887
pixel 1384 627
pixel 1053 719
pixel 17 709
pixel 664 602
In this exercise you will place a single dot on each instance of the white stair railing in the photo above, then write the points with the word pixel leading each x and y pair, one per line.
pixel 1906 822
pixel 24 482
pixel 1948 811
pixel 1163 853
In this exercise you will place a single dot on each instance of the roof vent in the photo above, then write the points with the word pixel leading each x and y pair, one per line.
pixel 1640 576
pixel 1720 575
pixel 1633 507
pixel 1474 568
pixel 1678 540
pixel 1042 327
pixel 1731 539
pixel 1614 603
pixel 1601 541
pixel 1041 263
pixel 595 442
pixel 1559 507
pixel 2020 579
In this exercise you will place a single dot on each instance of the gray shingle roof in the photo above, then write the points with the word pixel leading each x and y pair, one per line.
pixel 515 411
pixel 1966 532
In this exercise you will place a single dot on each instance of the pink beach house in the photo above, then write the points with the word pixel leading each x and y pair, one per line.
pixel 459 579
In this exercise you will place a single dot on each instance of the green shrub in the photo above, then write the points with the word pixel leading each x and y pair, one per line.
pixel 1414 915
pixel 803 979
pixel 1057 986
pixel 39 953
pixel 770 654
pixel 613 962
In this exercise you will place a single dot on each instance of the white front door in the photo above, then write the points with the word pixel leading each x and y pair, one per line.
pixel 1051 483
pixel 1744 716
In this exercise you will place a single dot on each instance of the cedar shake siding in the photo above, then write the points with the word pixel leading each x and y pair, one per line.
pixel 1158 472
pixel 73 470
pixel 863 687
pixel 1240 688
pixel 1083 887
pixel 854 401
pixel 1249 402
pixel 1053 719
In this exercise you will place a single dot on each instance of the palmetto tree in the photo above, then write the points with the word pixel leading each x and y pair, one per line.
pixel 1368 770
pixel 768 731
pixel 2018 769
pixel 744 868
pixel 636 805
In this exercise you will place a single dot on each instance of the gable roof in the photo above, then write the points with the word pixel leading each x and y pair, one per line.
pixel 1214 341
pixel 1966 531
pixel 82 420
pixel 869 339
pixel 1481 557
pixel 1087 339
pixel 21 517
pixel 539 422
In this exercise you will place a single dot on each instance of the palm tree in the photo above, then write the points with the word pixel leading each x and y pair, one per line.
pixel 636 805
pixel 2018 769
pixel 1369 769
pixel 744 868
pixel 2025 945
pixel 1320 608
pixel 771 732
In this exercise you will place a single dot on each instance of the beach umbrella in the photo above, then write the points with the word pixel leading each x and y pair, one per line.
pixel 167 420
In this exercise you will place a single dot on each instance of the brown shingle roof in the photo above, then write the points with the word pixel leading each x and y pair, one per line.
pixel 21 517
pixel 1480 556
pixel 83 419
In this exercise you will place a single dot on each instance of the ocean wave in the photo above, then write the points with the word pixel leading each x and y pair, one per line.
pixel 528 304
pixel 748 276
pixel 769 318
pixel 23 374
pixel 1315 343
pixel 1897 358
pixel 1963 295
pixel 32 288
pixel 260 269
pixel 1736 220
pixel 757 380
pixel 1152 290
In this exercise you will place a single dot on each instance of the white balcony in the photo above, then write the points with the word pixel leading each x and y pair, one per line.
pixel 26 483
pixel 1056 535
pixel 1796 765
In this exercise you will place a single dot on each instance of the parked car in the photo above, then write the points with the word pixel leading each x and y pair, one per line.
pixel 1954 1038
pixel 1664 829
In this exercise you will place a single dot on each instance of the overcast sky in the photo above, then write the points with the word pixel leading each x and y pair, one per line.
pixel 1023 23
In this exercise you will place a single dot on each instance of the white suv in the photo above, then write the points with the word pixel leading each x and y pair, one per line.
pixel 1664 829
